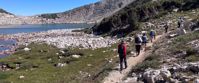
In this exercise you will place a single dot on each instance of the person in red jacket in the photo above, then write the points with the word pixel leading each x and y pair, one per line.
pixel 122 54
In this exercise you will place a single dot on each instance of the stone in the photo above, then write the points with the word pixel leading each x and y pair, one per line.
pixel 173 35
pixel 62 51
pixel 89 65
pixel 166 74
pixel 131 80
pixel 150 75
pixel 76 56
pixel 175 10
pixel 21 77
pixel 27 49
pixel 61 64
pixel 49 59
pixel 196 81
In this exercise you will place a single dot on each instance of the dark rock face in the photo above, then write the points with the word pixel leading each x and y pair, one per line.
pixel 3 11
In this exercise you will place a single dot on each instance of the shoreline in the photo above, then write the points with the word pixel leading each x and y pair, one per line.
pixel 61 38
pixel 14 25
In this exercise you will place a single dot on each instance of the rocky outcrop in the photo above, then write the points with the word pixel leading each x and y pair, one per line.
pixel 172 74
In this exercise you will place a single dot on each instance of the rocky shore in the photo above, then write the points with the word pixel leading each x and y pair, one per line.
pixel 63 39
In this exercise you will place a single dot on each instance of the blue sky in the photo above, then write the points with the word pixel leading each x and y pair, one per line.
pixel 34 7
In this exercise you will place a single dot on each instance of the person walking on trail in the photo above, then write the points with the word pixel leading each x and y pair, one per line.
pixel 152 35
pixel 138 44
pixel 180 22
pixel 144 40
pixel 166 27
pixel 122 54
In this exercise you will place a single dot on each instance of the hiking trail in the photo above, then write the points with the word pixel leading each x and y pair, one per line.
pixel 116 77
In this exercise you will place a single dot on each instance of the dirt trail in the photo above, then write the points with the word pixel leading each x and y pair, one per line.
pixel 116 77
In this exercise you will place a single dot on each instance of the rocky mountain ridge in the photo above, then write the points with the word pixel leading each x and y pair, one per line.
pixel 90 13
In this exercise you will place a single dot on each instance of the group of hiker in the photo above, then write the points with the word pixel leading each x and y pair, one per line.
pixel 141 41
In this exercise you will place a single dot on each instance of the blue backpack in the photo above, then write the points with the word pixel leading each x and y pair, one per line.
pixel 144 38
pixel 152 33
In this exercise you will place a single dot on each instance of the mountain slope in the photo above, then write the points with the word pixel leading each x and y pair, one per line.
pixel 88 13
pixel 128 18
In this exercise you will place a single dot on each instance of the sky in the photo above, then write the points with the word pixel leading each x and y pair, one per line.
pixel 35 7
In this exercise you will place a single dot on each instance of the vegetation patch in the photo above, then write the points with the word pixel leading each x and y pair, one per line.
pixel 153 61
pixel 49 16
pixel 38 65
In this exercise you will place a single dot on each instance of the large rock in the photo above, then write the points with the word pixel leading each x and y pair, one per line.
pixel 150 75
pixel 166 74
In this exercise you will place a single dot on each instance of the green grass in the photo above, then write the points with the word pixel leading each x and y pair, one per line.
pixel 151 62
pixel 37 69
pixel 180 43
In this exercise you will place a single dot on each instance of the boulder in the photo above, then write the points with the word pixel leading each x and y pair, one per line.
pixel 61 64
pixel 27 49
pixel 196 81
pixel 150 75
pixel 173 35
pixel 166 74
pixel 21 77
pixel 76 56
pixel 131 80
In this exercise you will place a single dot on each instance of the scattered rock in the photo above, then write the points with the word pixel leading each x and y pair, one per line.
pixel 61 64
pixel 89 65
pixel 173 35
pixel 21 77
pixel 50 59
pixel 131 80
pixel 196 81
pixel 76 56
pixel 27 49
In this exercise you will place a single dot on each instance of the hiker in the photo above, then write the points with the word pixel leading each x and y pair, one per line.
pixel 152 35
pixel 180 20
pixel 192 26
pixel 122 54
pixel 144 40
pixel 138 43
pixel 166 27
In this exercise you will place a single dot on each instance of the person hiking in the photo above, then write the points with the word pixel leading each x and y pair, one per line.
pixel 138 43
pixel 152 35
pixel 122 54
pixel 166 27
pixel 181 22
pixel 192 26
pixel 144 40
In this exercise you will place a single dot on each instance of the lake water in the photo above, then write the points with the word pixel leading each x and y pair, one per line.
pixel 14 29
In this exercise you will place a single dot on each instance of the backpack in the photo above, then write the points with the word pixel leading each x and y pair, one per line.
pixel 121 49
pixel 152 33
pixel 138 40
pixel 144 38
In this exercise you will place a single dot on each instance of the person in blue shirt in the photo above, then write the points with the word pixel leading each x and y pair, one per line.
pixel 144 40
pixel 152 35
